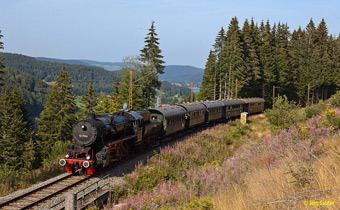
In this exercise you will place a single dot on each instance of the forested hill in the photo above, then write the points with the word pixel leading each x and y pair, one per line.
pixel 34 90
pixel 182 74
pixel 172 73
pixel 110 66
pixel 46 71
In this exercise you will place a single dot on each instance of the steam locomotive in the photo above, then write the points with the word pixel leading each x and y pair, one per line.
pixel 101 140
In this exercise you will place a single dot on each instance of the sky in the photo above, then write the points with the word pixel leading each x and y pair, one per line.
pixel 111 30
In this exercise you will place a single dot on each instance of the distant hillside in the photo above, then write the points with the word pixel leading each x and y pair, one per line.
pixel 172 73
pixel 81 75
pixel 110 66
pixel 182 74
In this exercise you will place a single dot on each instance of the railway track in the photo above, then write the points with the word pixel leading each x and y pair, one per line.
pixel 32 198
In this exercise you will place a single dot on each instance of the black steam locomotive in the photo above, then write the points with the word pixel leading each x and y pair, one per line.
pixel 103 139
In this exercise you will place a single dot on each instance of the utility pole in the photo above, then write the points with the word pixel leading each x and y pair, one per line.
pixel 191 97
pixel 130 89
pixel 236 89
pixel 308 92
pixel 229 82
pixel 215 83
pixel 273 94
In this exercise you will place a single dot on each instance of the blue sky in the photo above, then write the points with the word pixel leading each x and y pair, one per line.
pixel 109 30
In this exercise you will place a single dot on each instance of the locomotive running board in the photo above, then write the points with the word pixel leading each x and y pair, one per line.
pixel 112 144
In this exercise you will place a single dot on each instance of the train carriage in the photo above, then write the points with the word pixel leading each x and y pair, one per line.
pixel 215 110
pixel 234 107
pixel 253 105
pixel 195 114
pixel 172 117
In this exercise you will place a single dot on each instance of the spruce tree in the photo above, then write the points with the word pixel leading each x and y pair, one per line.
pixel 207 90
pixel 154 65
pixel 89 100
pixel 323 61
pixel 251 59
pixel 108 103
pixel 267 59
pixel 233 63
pixel 297 63
pixel 284 74
pixel 58 116
pixel 311 63
pixel 151 53
pixel 219 72
pixel 137 92
pixel 14 130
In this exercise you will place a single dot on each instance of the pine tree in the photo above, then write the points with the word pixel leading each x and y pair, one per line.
pixel 154 65
pixel 2 72
pixel 151 53
pixel 334 75
pixel 14 130
pixel 58 116
pixel 285 77
pixel 207 90
pixel 297 63
pixel 89 100
pixel 311 64
pixel 137 92
pixel 219 73
pixel 267 59
pixel 106 103
pixel 233 63
pixel 323 61
pixel 29 154
pixel 250 38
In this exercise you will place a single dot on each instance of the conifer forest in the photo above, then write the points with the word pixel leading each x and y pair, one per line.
pixel 269 59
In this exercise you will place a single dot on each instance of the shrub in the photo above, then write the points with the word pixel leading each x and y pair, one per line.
pixel 330 118
pixel 118 192
pixel 315 109
pixel 58 149
pixel 199 203
pixel 335 99
pixel 284 113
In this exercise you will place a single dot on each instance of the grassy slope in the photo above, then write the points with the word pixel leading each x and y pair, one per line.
pixel 241 167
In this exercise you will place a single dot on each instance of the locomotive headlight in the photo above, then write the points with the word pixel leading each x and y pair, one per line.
pixel 88 157
pixel 86 164
pixel 62 162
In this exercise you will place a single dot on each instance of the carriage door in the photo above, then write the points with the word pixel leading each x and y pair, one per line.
pixel 187 119
pixel 139 131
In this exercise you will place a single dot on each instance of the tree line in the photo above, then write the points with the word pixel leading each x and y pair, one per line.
pixel 23 149
pixel 267 60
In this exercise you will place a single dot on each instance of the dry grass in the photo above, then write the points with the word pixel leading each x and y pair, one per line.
pixel 274 188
